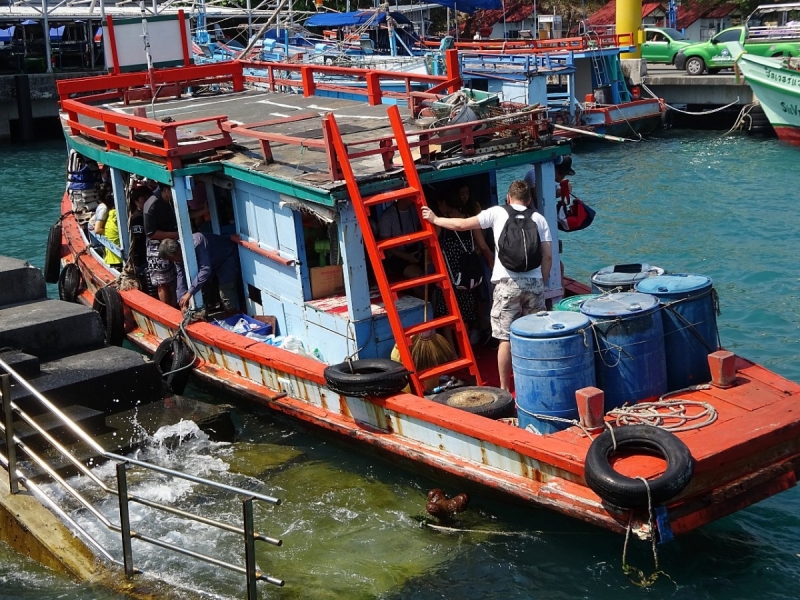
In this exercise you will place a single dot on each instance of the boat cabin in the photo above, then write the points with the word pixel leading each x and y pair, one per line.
pixel 275 185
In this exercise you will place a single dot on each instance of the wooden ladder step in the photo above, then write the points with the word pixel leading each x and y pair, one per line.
pixel 383 197
pixel 419 281
pixel 432 324
pixel 407 238
pixel 445 368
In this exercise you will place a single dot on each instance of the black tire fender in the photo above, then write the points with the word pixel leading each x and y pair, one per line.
pixel 367 377
pixel 626 492
pixel 52 255
pixel 486 401
pixel 173 357
pixel 69 283
pixel 108 303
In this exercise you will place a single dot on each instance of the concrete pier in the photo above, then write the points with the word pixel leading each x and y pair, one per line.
pixel 29 104
pixel 676 87
pixel 59 348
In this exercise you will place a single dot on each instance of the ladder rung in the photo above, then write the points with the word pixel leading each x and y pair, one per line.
pixel 445 368
pixel 383 197
pixel 434 324
pixel 412 283
pixel 406 238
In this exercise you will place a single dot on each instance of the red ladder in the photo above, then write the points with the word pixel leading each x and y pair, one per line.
pixel 465 359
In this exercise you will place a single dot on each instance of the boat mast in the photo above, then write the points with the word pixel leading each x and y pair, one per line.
pixel 146 39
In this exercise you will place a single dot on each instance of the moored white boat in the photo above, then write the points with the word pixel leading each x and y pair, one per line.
pixel 776 84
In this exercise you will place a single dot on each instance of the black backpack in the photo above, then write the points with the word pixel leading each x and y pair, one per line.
pixel 519 249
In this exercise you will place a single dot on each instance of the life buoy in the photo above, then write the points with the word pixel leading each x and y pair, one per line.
pixel 69 283
pixel 368 377
pixel 52 255
pixel 108 303
pixel 486 401
pixel 626 492
pixel 173 359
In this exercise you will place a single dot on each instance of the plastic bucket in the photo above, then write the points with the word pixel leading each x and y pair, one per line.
pixel 552 357
pixel 573 303
pixel 690 325
pixel 630 360
pixel 622 278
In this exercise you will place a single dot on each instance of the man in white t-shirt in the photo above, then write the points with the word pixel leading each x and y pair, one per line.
pixel 515 294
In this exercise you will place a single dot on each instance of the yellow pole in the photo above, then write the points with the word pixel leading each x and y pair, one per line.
pixel 629 20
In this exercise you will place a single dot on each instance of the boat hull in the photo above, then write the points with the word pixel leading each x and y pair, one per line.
pixel 545 471
pixel 636 117
pixel 777 88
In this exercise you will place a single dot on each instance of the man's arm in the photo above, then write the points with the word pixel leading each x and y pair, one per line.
pixel 547 260
pixel 448 223
pixel 203 268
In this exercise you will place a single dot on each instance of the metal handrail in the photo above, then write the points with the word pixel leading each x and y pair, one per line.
pixel 16 476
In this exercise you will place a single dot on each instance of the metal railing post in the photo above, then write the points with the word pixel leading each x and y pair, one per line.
pixel 5 388
pixel 124 518
pixel 250 549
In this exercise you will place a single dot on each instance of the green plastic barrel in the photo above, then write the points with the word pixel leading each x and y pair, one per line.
pixel 573 303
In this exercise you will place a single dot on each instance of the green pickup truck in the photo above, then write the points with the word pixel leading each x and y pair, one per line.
pixel 714 54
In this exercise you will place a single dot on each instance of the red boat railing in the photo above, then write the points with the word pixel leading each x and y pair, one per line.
pixel 517 127
pixel 572 44
pixel 312 78
pixel 139 135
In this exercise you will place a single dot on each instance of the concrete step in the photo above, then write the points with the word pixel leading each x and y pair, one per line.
pixel 109 379
pixel 20 282
pixel 90 420
pixel 50 328
pixel 26 365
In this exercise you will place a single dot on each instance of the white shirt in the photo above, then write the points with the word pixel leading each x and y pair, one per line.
pixel 495 218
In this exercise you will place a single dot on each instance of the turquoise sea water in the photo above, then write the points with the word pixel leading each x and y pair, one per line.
pixel 691 202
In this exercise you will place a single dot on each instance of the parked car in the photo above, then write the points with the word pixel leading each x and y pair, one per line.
pixel 661 44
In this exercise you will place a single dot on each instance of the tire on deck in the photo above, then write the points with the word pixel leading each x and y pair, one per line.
pixel 627 492
pixel 486 401
pixel 367 377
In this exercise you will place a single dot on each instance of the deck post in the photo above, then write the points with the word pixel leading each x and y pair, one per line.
pixel 180 203
pixel 546 202
pixel 374 94
pixel 451 63
pixel 307 77
pixel 355 268
pixel 121 204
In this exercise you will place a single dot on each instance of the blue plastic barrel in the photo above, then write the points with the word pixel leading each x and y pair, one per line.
pixel 622 278
pixel 552 357
pixel 573 303
pixel 630 360
pixel 690 325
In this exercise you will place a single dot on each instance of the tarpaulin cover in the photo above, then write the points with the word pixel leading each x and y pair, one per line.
pixel 470 6
pixel 6 34
pixel 352 19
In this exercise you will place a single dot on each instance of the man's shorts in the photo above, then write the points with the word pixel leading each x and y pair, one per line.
pixel 161 271
pixel 514 298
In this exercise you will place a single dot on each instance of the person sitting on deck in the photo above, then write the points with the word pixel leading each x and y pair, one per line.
pixel 404 261
pixel 216 255
pixel 112 235
pixel 516 294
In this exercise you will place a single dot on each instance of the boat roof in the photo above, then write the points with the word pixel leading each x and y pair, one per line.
pixel 278 140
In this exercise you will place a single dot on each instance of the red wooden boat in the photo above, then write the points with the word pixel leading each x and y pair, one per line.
pixel 277 172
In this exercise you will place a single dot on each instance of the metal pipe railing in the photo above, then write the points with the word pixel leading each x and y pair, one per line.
pixel 16 476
